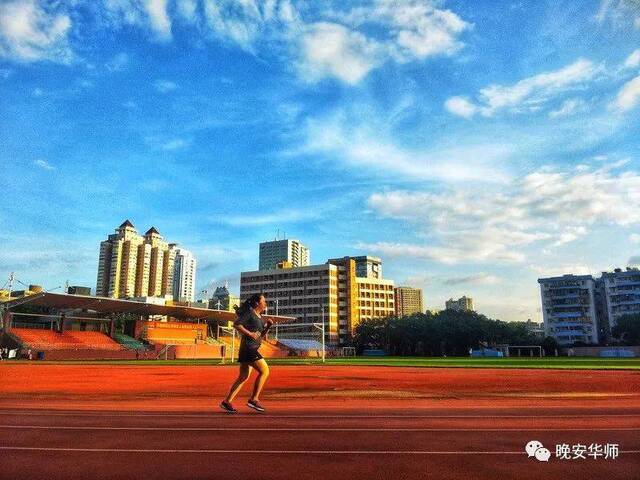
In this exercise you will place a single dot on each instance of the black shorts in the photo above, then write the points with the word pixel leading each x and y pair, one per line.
pixel 248 355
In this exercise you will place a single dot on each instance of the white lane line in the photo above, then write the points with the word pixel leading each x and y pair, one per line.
pixel 268 415
pixel 275 452
pixel 280 429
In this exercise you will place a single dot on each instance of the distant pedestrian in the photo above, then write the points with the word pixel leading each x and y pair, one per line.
pixel 252 329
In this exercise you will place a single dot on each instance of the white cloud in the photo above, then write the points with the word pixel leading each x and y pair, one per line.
pixel 529 94
pixel 331 50
pixel 461 106
pixel 628 95
pixel 619 13
pixel 328 42
pixel 634 238
pixel 165 86
pixel 187 9
pixel 338 44
pixel 43 164
pixel 279 218
pixel 633 60
pixel 408 30
pixel 238 22
pixel 346 48
pixel 569 107
pixel 117 63
pixel 159 20
pixel 476 225
pixel 30 31
pixel 564 269
pixel 148 14
pixel 175 144
pixel 475 279
pixel 368 148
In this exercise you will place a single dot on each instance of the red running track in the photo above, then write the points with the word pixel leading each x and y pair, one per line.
pixel 471 430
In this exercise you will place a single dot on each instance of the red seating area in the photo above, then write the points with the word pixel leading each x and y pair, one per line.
pixel 69 340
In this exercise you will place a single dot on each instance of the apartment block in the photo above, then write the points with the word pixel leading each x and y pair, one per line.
pixel 408 301
pixel 290 251
pixel 132 265
pixel 621 295
pixel 463 304
pixel 184 276
pixel 569 308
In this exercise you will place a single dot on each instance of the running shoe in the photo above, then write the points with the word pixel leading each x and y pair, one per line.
pixel 226 406
pixel 255 405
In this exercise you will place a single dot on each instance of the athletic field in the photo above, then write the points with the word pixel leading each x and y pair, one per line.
pixel 149 420
pixel 590 363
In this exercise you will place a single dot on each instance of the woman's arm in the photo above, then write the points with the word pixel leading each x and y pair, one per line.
pixel 267 325
pixel 240 328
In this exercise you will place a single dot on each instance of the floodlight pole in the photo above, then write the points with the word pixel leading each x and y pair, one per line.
pixel 323 346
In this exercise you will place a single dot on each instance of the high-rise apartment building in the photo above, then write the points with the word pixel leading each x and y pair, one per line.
pixel 621 295
pixel 408 300
pixel 579 308
pixel 184 276
pixel 331 292
pixel 131 265
pixel 278 251
pixel 569 308
pixel 463 304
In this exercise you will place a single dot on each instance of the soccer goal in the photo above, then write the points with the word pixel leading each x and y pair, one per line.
pixel 230 343
pixel 521 350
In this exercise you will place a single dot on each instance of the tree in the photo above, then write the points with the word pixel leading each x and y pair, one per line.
pixel 627 329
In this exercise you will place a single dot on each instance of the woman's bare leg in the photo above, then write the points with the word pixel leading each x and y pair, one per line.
pixel 237 385
pixel 263 373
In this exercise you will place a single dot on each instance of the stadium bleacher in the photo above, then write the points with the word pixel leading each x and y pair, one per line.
pixel 301 344
pixel 39 339
pixel 128 342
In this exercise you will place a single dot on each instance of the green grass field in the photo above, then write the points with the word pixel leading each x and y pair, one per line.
pixel 587 363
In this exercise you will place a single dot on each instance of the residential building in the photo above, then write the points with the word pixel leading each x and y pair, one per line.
pixel 463 304
pixel 569 308
pixel 184 276
pixel 408 300
pixel 535 328
pixel 621 295
pixel 331 293
pixel 287 250
pixel 131 265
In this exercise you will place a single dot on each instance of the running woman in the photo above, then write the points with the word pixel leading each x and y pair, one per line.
pixel 252 328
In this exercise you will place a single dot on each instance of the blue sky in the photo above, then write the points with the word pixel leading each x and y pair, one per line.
pixel 473 146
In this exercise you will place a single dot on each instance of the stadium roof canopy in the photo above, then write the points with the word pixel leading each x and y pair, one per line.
pixel 106 306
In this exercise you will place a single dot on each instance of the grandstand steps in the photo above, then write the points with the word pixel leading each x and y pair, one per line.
pixel 48 340
pixel 128 342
